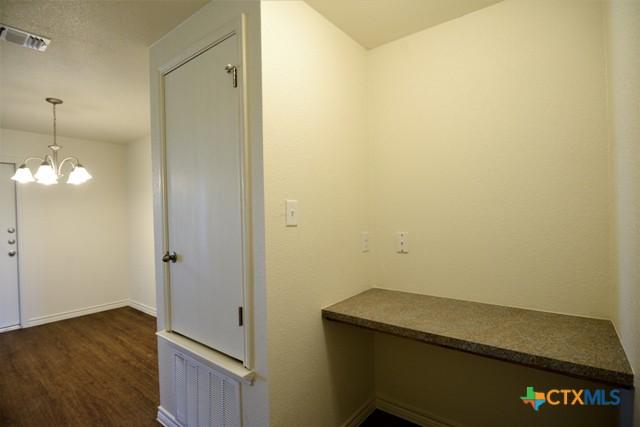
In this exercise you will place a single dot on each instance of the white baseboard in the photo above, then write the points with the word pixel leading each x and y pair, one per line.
pixel 9 328
pixel 34 321
pixel 142 307
pixel 41 320
pixel 361 414
pixel 413 414
pixel 166 419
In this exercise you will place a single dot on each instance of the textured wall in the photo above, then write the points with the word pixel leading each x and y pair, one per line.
pixel 315 152
pixel 490 147
pixel 624 79
pixel 74 238
pixel 492 151
pixel 142 286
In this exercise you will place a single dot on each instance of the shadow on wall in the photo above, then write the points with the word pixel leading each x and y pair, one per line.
pixel 471 390
pixel 351 369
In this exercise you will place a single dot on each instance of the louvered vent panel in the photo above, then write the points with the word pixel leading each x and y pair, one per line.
pixel 23 38
pixel 205 397
pixel 16 37
pixel 231 401
pixel 217 400
pixel 192 394
pixel 181 388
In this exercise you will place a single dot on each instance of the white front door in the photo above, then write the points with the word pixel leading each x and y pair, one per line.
pixel 204 199
pixel 9 293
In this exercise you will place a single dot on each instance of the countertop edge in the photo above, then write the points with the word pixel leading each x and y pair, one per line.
pixel 617 378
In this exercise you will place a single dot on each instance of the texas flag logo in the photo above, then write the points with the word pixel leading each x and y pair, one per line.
pixel 534 398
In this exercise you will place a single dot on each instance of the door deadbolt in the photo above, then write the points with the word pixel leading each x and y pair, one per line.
pixel 170 256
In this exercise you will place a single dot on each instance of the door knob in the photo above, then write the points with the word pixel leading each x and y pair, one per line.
pixel 170 256
pixel 12 252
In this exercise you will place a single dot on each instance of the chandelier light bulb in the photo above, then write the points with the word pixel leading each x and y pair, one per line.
pixel 46 175
pixel 79 175
pixel 48 182
pixel 23 175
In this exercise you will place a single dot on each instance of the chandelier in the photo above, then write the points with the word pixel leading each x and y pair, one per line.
pixel 50 169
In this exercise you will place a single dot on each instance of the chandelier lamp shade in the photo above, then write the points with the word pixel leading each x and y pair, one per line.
pixel 50 168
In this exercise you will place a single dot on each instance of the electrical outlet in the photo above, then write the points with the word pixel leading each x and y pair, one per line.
pixel 402 242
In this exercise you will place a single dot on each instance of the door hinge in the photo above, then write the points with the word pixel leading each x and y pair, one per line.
pixel 233 70
pixel 240 316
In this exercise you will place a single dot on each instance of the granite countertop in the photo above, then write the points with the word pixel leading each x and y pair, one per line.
pixel 577 346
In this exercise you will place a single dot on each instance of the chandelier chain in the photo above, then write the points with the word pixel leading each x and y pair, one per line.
pixel 54 125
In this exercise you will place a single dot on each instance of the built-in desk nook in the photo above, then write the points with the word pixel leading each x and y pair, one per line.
pixel 576 346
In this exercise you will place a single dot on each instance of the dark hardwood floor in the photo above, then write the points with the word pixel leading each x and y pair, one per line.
pixel 95 370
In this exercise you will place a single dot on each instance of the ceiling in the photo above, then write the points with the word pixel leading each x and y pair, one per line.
pixel 375 22
pixel 97 63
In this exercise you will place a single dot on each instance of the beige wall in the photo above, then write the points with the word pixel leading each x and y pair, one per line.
pixel 624 78
pixel 142 291
pixel 489 141
pixel 73 238
pixel 492 151
pixel 109 218
pixel 314 151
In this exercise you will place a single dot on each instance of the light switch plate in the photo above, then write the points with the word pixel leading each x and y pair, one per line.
pixel 291 213
pixel 402 242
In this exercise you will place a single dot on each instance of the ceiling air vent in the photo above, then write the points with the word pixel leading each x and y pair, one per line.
pixel 23 38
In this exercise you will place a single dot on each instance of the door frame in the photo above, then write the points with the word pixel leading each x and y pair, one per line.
pixel 19 247
pixel 236 27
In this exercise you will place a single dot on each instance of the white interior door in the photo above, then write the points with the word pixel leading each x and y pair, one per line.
pixel 9 293
pixel 204 199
